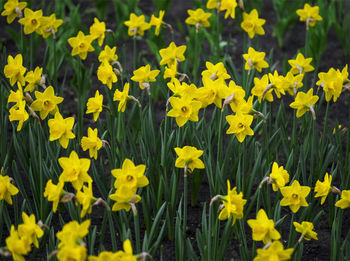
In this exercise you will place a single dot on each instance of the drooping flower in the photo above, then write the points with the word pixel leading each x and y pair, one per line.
pixel 29 230
pixel 81 45
pixel 31 20
pixel 46 102
pixel 309 14
pixel 85 198
pixel 274 252
pixel 7 189
pixel 255 60
pixel 157 21
pixel 14 70
pixel 172 54
pixel 332 83
pixel 304 102
pixel 300 65
pixel 240 125
pixel 97 31
pixel 344 201
pixel 252 24
pixel 61 129
pixel 75 170
pixel 229 6
pixel 306 229
pixel 19 113
pixel 16 97
pixel 137 25
pixel 189 156
pixel 49 25
pixel 125 198
pixel 183 110
pixel 11 10
pixel 323 188
pixel 106 74
pixel 94 105
pixel 127 253
pixel 198 18
pixel 122 97
pixel 92 143
pixel 235 96
pixel 33 79
pixel 279 176
pixel 53 193
pixel 263 228
pixel 294 196
pixel 17 245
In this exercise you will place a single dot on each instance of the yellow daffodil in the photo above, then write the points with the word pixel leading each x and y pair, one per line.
pixel 33 79
pixel 16 97
pixel 275 252
pixel 233 204
pixel 182 89
pixel 263 228
pixel 229 6
pixel 294 196
pixel 73 232
pixel 125 198
pixel 212 4
pixel 7 189
pixel 189 156
pixel 279 176
pixel 81 45
pixel 127 253
pixel 17 245
pixel 276 82
pixel 92 143
pixel 332 83
pixel 31 20
pixel 171 71
pixel 157 21
pixel 144 76
pixel 235 96
pixel 72 252
pixel 137 25
pixel 300 65
pixel 306 229
pixel 255 60
pixel 94 105
pixel 215 72
pixel 240 125
pixel 292 83
pixel 49 25
pixel 46 102
pixel 122 97
pixel 53 193
pixel 304 102
pixel 262 89
pixel 198 18
pixel 252 24
pixel 14 70
pixel 85 198
pixel 19 113
pixel 75 170
pixel 184 110
pixel 172 54
pixel 108 55
pixel 97 31
pixel 29 230
pixel 12 10
pixel 309 14
pixel 323 188
pixel 61 129
pixel 105 255
pixel 212 92
pixel 344 201
pixel 130 175
pixel 106 74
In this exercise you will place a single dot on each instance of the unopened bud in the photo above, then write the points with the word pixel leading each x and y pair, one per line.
pixel 67 197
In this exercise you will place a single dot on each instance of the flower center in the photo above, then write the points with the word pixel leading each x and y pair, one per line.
pixel 34 22
pixel 129 178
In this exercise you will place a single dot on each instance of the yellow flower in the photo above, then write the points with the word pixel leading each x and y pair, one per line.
pixel 49 25
pixel 72 232
pixel 189 156
pixel 332 83
pixel 240 125
pixel 157 21
pixel 304 102
pixel 144 76
pixel 255 60
pixel 72 252
pixel 212 92
pixel 75 170
pixel 14 70
pixel 54 193
pixel 108 55
pixel 170 72
pixel 17 245
pixel 293 83
pixel 184 110
pixel 29 230
pixel 127 253
pixel 323 188
pixel 130 175
pixel 137 25
pixel 18 113
pixel 122 97
pixel 279 176
pixel 92 142
pixel 294 196
pixel 261 87
pixel 198 18
pixel 215 72
pixel 344 201
pixel 125 196
pixel 31 20
pixel 252 24
pixel 233 204
pixel 60 129
pixel 306 229
pixel 274 252
pixel 172 54
pixel 10 9
pixel 182 89
pixel 85 198
pixel 103 256
pixel 46 102
pixel 7 189
pixel 229 6
pixel 106 74
pixel 263 228
pixel 276 82
pixel 300 65
pixel 16 97
pixel 212 4
pixel 33 79
pixel 81 45
pixel 97 31
pixel 235 95
pixel 309 14
pixel 94 105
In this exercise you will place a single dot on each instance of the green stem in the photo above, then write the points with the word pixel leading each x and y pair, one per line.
pixel 219 154
pixel 137 232
pixel 347 160
pixel 54 63
pixel 185 206
pixel 324 128
pixel 196 58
